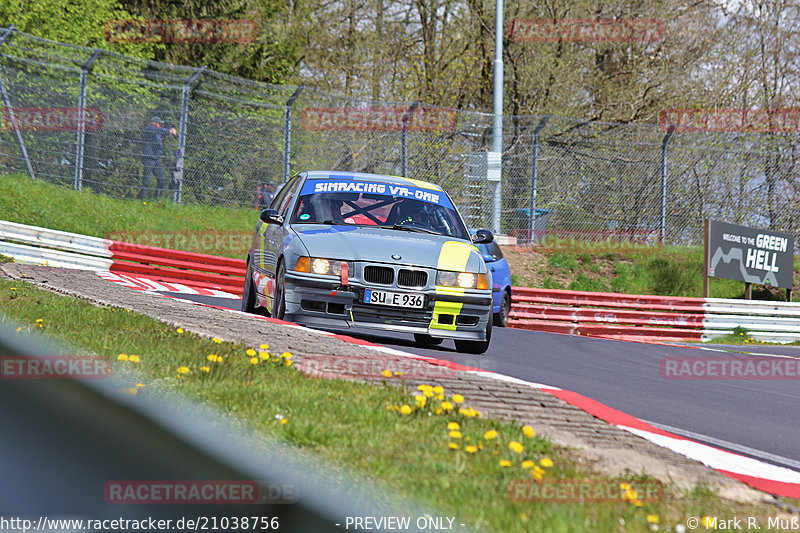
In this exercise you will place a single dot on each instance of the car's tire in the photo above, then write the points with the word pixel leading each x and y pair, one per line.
pixel 279 304
pixel 426 340
pixel 248 294
pixel 501 319
pixel 476 347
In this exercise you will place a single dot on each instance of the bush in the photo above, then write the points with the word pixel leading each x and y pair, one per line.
pixel 669 278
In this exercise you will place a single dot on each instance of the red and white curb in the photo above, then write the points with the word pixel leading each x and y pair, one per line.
pixel 776 480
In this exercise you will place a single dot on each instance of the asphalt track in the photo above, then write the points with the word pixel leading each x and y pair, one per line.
pixel 758 418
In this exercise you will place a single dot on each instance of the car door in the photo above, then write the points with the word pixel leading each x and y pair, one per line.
pixel 274 234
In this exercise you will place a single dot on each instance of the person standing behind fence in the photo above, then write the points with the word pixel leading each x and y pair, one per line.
pixel 151 156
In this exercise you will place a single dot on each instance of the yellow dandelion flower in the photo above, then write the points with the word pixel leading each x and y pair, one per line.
pixel 455 434
pixel 652 518
pixel 133 358
pixel 439 410
pixel 453 425
pixel 428 393
pixel 546 462
pixel 286 355
pixel 447 406
pixel 438 389
pixel 439 397
pixel 471 449
pixel 387 373
pixel 537 475
pixel 263 355
pixel 527 463
pixel 515 447
pixel 630 496
pixel 254 360
pixel 288 362
pixel 457 398
pixel 264 346
pixel 453 445
pixel 183 370
pixel 491 434
pixel 528 431
pixel 390 408
pixel 284 421
pixel 405 410
pixel 638 503
pixel 19 329
pixel 205 369
pixel 480 445
pixel 251 352
pixel 421 400
pixel 217 340
pixel 212 357
pixel 13 288
pixel 39 320
pixel 538 470
pixel 398 374
pixel 707 522
pixel 122 357
pixel 505 463
pixel 140 385
pixel 179 330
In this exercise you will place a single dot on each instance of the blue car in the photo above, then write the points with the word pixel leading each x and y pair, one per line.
pixel 501 281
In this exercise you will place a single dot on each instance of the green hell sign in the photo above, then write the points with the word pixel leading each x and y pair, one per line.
pixel 750 255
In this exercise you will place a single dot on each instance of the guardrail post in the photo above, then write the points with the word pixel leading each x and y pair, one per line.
pixel 85 70
pixel 404 141
pixel 287 132
pixel 664 182
pixel 6 34
pixel 535 177
pixel 185 92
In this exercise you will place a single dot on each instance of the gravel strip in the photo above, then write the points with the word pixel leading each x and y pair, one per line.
pixel 591 441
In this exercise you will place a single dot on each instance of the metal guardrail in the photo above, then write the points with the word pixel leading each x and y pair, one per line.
pixel 559 311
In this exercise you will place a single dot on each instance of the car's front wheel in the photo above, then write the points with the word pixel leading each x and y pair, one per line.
pixel 249 294
pixel 476 347
pixel 426 340
pixel 501 318
pixel 279 304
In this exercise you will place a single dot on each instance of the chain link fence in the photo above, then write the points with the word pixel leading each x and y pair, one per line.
pixel 561 177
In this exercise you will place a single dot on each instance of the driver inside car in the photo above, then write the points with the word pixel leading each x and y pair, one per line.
pixel 410 212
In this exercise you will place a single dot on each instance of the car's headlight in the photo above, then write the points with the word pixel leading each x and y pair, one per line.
pixel 464 280
pixel 319 265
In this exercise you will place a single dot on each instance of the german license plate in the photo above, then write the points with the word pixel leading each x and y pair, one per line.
pixel 398 299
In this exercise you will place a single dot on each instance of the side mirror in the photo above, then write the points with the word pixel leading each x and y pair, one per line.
pixel 482 236
pixel 270 216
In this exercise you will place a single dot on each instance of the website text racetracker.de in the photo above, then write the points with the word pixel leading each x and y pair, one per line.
pixel 199 523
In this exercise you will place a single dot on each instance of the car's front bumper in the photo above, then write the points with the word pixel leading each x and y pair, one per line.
pixel 446 313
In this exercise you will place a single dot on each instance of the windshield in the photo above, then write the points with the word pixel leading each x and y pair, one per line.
pixel 396 207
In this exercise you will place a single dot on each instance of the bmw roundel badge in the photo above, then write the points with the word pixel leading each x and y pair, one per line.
pixel 396 257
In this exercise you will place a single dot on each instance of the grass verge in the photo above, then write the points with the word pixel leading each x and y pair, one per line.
pixel 358 426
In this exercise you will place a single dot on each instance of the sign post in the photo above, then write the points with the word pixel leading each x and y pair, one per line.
pixel 751 255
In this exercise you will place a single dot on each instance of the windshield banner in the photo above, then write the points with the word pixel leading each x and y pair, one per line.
pixel 386 189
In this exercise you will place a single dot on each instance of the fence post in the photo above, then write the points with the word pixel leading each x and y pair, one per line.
pixel 664 142
pixel 185 92
pixel 287 132
pixel 535 177
pixel 6 34
pixel 404 140
pixel 85 70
